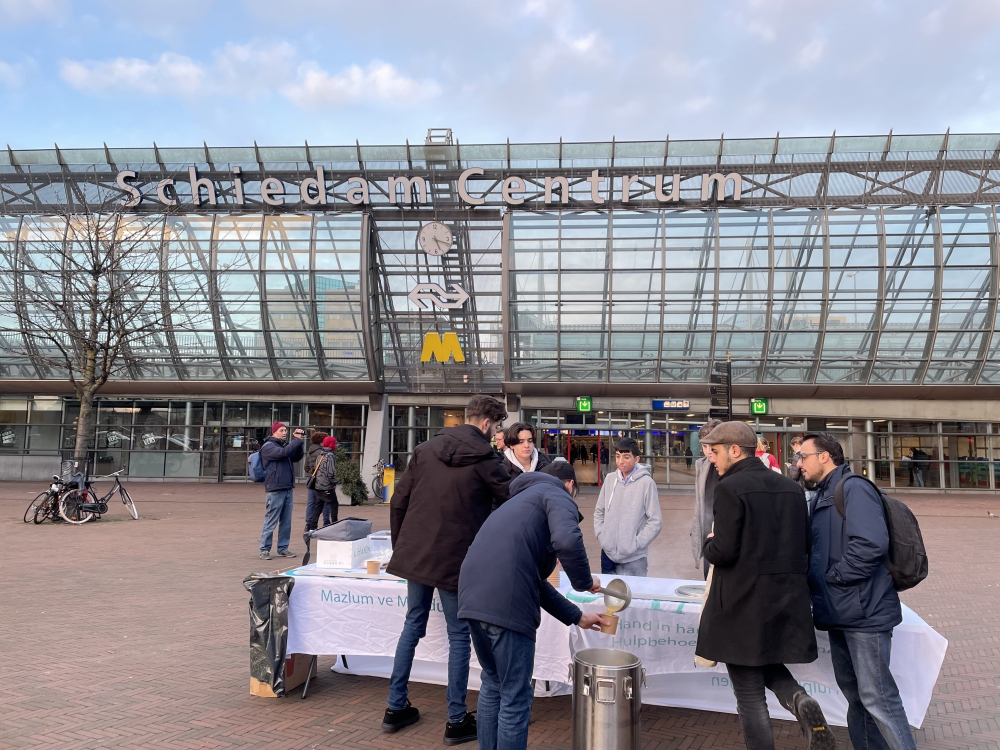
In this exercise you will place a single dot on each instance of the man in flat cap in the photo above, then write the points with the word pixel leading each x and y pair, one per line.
pixel 757 615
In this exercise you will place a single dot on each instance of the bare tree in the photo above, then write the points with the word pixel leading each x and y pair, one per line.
pixel 90 292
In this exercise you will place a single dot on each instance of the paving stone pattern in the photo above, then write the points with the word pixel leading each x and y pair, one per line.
pixel 133 634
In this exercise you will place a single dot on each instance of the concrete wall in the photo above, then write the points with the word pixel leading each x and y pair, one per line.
pixel 29 467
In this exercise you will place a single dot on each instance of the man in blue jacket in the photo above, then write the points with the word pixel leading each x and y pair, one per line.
pixel 853 596
pixel 278 456
pixel 502 589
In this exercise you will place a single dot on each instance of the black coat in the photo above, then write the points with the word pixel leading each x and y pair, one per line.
pixel 441 502
pixel 758 611
pixel 515 469
pixel 504 575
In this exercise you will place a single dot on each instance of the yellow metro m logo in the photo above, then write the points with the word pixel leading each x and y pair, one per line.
pixel 441 347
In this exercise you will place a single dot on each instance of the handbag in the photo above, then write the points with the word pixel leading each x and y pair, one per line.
pixel 311 481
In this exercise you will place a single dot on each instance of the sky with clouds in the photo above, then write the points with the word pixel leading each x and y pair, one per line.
pixel 230 72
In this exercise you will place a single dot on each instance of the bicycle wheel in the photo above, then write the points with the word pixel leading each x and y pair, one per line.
pixel 377 489
pixel 46 510
pixel 29 514
pixel 69 507
pixel 129 503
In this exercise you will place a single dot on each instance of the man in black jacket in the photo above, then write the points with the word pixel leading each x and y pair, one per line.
pixel 757 617
pixel 522 539
pixel 443 498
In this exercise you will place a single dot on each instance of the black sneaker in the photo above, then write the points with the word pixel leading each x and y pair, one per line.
pixel 393 721
pixel 462 731
pixel 265 554
pixel 814 726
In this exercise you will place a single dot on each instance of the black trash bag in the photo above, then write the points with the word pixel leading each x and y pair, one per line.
pixel 269 627
pixel 345 530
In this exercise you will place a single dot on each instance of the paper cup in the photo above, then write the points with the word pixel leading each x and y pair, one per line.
pixel 613 627
pixel 373 566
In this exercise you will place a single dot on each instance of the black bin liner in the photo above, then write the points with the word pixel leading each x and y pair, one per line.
pixel 269 627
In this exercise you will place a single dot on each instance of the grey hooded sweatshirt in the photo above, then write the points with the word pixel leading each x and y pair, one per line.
pixel 627 518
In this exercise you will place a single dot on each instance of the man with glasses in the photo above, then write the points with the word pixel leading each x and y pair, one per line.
pixel 853 595
pixel 756 617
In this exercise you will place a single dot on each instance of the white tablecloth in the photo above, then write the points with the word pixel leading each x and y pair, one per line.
pixel 362 619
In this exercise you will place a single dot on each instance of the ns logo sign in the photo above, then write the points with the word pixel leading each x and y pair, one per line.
pixel 442 347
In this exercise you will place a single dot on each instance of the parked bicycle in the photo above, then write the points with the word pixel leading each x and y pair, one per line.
pixel 378 482
pixel 46 504
pixel 79 506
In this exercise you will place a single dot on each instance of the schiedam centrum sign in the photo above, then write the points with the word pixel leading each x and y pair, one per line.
pixel 473 186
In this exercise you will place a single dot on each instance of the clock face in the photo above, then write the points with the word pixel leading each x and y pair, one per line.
pixel 435 238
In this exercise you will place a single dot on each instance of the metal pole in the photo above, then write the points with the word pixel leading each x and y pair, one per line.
pixel 870 447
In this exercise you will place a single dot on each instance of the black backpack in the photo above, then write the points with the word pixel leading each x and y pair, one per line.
pixel 907 561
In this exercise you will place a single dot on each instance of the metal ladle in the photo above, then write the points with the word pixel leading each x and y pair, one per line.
pixel 616 591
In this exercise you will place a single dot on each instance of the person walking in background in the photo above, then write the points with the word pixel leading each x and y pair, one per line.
pixel 278 457
pixel 498 444
pixel 521 455
pixel 583 454
pixel 756 617
pixel 766 458
pixel 921 461
pixel 853 595
pixel 442 500
pixel 705 480
pixel 795 471
pixel 312 454
pixel 326 486
pixel 524 538
pixel 627 518
pixel 688 456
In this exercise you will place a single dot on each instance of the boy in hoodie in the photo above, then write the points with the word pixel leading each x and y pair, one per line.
pixel 627 518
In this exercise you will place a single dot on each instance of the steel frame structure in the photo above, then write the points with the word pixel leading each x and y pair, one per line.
pixel 778 302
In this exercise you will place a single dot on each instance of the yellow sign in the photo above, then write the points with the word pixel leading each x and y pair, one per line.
pixel 441 347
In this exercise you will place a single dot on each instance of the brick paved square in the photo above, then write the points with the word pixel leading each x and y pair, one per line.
pixel 133 634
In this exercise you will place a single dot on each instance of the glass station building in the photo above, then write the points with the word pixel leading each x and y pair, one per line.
pixel 851 281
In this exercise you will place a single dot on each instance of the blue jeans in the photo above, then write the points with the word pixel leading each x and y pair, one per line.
pixel 507 658
pixel 311 502
pixel 279 513
pixel 418 608
pixel 875 716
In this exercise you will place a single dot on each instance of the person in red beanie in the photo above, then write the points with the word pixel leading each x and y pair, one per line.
pixel 278 455
pixel 326 485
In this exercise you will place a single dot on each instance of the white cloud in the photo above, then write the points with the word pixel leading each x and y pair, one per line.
pixel 172 74
pixel 379 81
pixel 26 10
pixel 247 71
pixel 10 75
pixel 584 44
pixel 697 104
pixel 810 54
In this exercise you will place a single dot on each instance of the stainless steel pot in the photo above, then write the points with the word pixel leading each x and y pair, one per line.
pixel 607 699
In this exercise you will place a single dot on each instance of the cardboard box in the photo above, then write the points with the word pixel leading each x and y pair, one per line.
pixel 342 555
pixel 296 671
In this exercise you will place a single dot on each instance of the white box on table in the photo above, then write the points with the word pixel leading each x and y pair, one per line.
pixel 345 555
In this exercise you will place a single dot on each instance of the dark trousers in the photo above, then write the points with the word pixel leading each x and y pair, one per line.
pixel 507 659
pixel 875 716
pixel 419 603
pixel 325 503
pixel 607 564
pixel 751 703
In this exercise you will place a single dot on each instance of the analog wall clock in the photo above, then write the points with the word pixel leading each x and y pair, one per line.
pixel 435 238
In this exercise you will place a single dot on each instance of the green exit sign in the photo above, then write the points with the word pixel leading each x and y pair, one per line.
pixel 584 403
pixel 759 407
